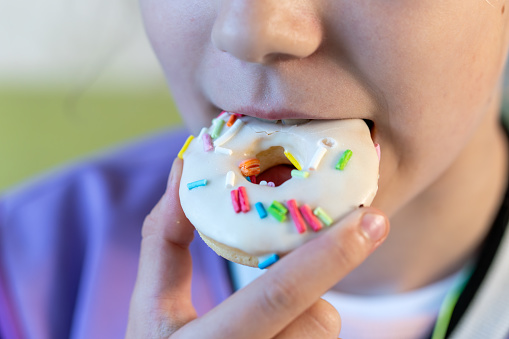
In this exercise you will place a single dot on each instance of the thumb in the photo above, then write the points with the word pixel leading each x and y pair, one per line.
pixel 161 301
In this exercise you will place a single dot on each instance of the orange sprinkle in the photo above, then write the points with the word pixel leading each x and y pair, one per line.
pixel 231 121
pixel 250 167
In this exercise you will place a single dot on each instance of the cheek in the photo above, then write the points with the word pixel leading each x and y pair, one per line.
pixel 179 32
pixel 438 76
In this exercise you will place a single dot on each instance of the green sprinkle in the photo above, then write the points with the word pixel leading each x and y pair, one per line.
pixel 276 213
pixel 218 126
pixel 324 217
pixel 279 206
pixel 300 174
pixel 344 160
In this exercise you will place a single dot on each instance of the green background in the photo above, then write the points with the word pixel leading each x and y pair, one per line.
pixel 43 128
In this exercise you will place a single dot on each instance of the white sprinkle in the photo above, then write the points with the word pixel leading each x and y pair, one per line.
pixel 230 179
pixel 223 150
pixel 202 132
pixel 317 158
pixel 263 183
pixel 230 133
pixel 327 142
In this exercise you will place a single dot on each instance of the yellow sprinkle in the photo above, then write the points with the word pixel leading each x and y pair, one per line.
pixel 293 160
pixel 186 145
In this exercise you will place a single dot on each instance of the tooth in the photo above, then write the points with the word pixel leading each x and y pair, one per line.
pixel 294 121
pixel 267 120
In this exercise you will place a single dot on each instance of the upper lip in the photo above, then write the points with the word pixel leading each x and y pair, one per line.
pixel 282 114
pixel 272 114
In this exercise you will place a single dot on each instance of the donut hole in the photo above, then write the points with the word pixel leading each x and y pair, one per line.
pixel 274 166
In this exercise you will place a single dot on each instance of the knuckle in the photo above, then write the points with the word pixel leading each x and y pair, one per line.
pixel 278 295
pixel 149 225
pixel 325 320
pixel 349 252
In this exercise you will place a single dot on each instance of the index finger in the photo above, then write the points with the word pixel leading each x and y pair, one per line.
pixel 293 284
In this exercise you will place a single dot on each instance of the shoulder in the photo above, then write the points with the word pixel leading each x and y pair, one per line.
pixel 114 172
pixel 75 231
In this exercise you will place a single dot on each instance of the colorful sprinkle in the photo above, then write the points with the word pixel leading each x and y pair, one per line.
pixel 243 200
pixel 310 218
pixel 221 114
pixel 223 150
pixel 263 183
pixel 252 178
pixel 261 210
pixel 207 142
pixel 317 158
pixel 216 129
pixel 229 134
pixel 265 262
pixel 186 145
pixel 279 206
pixel 248 179
pixel 293 160
pixel 235 200
pixel 197 183
pixel 276 213
pixel 327 142
pixel 378 151
pixel 230 179
pixel 299 222
pixel 250 167
pixel 344 160
pixel 202 132
pixel 324 217
pixel 271 184
pixel 299 174
pixel 231 120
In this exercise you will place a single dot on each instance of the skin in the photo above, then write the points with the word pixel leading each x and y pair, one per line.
pixel 426 73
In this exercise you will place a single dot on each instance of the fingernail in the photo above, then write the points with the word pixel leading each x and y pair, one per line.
pixel 171 177
pixel 374 226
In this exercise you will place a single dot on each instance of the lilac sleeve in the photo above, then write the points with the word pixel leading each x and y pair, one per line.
pixel 69 245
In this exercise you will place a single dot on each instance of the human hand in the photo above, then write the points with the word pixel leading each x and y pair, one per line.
pixel 283 303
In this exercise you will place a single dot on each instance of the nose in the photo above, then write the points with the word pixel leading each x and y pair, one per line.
pixel 259 31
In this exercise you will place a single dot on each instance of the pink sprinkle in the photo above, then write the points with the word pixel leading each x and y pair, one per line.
pixel 238 115
pixel 311 219
pixel 235 200
pixel 243 200
pixel 253 179
pixel 220 114
pixel 378 151
pixel 207 142
pixel 271 184
pixel 296 216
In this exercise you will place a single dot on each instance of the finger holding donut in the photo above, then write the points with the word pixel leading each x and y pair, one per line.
pixel 283 303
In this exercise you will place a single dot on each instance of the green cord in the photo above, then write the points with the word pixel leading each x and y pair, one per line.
pixel 449 303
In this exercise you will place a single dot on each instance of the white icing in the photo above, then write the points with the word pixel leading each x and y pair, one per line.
pixel 337 192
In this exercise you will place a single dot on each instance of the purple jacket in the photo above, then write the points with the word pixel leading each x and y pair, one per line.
pixel 69 245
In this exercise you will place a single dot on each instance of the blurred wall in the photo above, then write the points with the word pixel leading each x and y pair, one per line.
pixel 75 77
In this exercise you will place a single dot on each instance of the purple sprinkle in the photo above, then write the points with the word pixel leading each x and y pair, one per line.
pixel 207 142
pixel 271 184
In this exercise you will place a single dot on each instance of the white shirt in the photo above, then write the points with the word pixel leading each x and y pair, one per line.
pixel 409 315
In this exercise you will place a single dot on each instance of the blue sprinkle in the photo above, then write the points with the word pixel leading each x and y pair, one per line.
pixel 261 210
pixel 248 179
pixel 198 183
pixel 267 261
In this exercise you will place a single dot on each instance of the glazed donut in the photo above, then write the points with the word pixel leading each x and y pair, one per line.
pixel 246 217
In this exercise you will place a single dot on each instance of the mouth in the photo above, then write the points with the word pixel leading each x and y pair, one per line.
pixel 279 171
